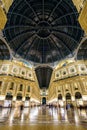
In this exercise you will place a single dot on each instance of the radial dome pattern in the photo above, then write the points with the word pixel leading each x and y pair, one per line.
pixel 43 31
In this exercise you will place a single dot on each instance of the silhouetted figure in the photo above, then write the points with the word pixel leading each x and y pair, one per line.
pixel 67 106
pixel 72 106
pixel 80 107
pixel 10 106
pixel 21 108
pixel 0 107
pixel 59 106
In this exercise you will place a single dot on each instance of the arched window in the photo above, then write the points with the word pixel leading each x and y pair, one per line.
pixel 21 87
pixel 44 100
pixel 78 95
pixel 27 98
pixel 60 97
pixel 68 96
pixel 9 96
pixel 28 89
pixel 19 96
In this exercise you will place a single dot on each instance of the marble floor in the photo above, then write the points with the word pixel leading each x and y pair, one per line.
pixel 42 118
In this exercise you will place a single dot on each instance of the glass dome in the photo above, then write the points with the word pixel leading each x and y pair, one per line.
pixel 43 31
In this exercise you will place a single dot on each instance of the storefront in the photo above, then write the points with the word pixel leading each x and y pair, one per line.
pixel 27 101
pixel 8 100
pixel 60 101
pixel 78 98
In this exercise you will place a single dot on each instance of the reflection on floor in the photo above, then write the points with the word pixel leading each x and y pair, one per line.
pixel 43 118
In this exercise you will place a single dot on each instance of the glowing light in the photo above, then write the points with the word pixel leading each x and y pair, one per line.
pixel 2 97
pixel 53 100
pixel 85 98
pixel 33 99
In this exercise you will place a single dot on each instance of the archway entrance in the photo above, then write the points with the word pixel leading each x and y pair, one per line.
pixel 68 97
pixel 60 97
pixel 43 100
pixel 78 95
pixel 9 96
pixel 60 102
pixel 8 100
pixel 68 100
pixel 27 101
pixel 78 98
pixel 19 96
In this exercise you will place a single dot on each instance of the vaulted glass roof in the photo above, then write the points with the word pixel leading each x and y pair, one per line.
pixel 43 75
pixel 43 31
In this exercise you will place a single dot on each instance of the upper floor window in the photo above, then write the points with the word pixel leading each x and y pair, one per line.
pixel 72 70
pixel 28 89
pixel 64 73
pixel 0 84
pixel 23 72
pixel 11 86
pixel 21 87
pixel 4 68
pixel 57 75
pixel 29 75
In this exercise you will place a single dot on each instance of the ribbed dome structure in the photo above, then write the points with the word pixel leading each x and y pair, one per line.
pixel 43 31
pixel 4 51
pixel 82 52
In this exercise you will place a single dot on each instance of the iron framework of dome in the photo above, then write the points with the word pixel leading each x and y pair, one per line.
pixel 4 51
pixel 82 52
pixel 43 31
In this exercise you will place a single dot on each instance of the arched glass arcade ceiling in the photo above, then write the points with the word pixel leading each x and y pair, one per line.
pixel 43 75
pixel 43 31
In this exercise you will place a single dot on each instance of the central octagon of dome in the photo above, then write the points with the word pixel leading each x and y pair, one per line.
pixel 44 29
